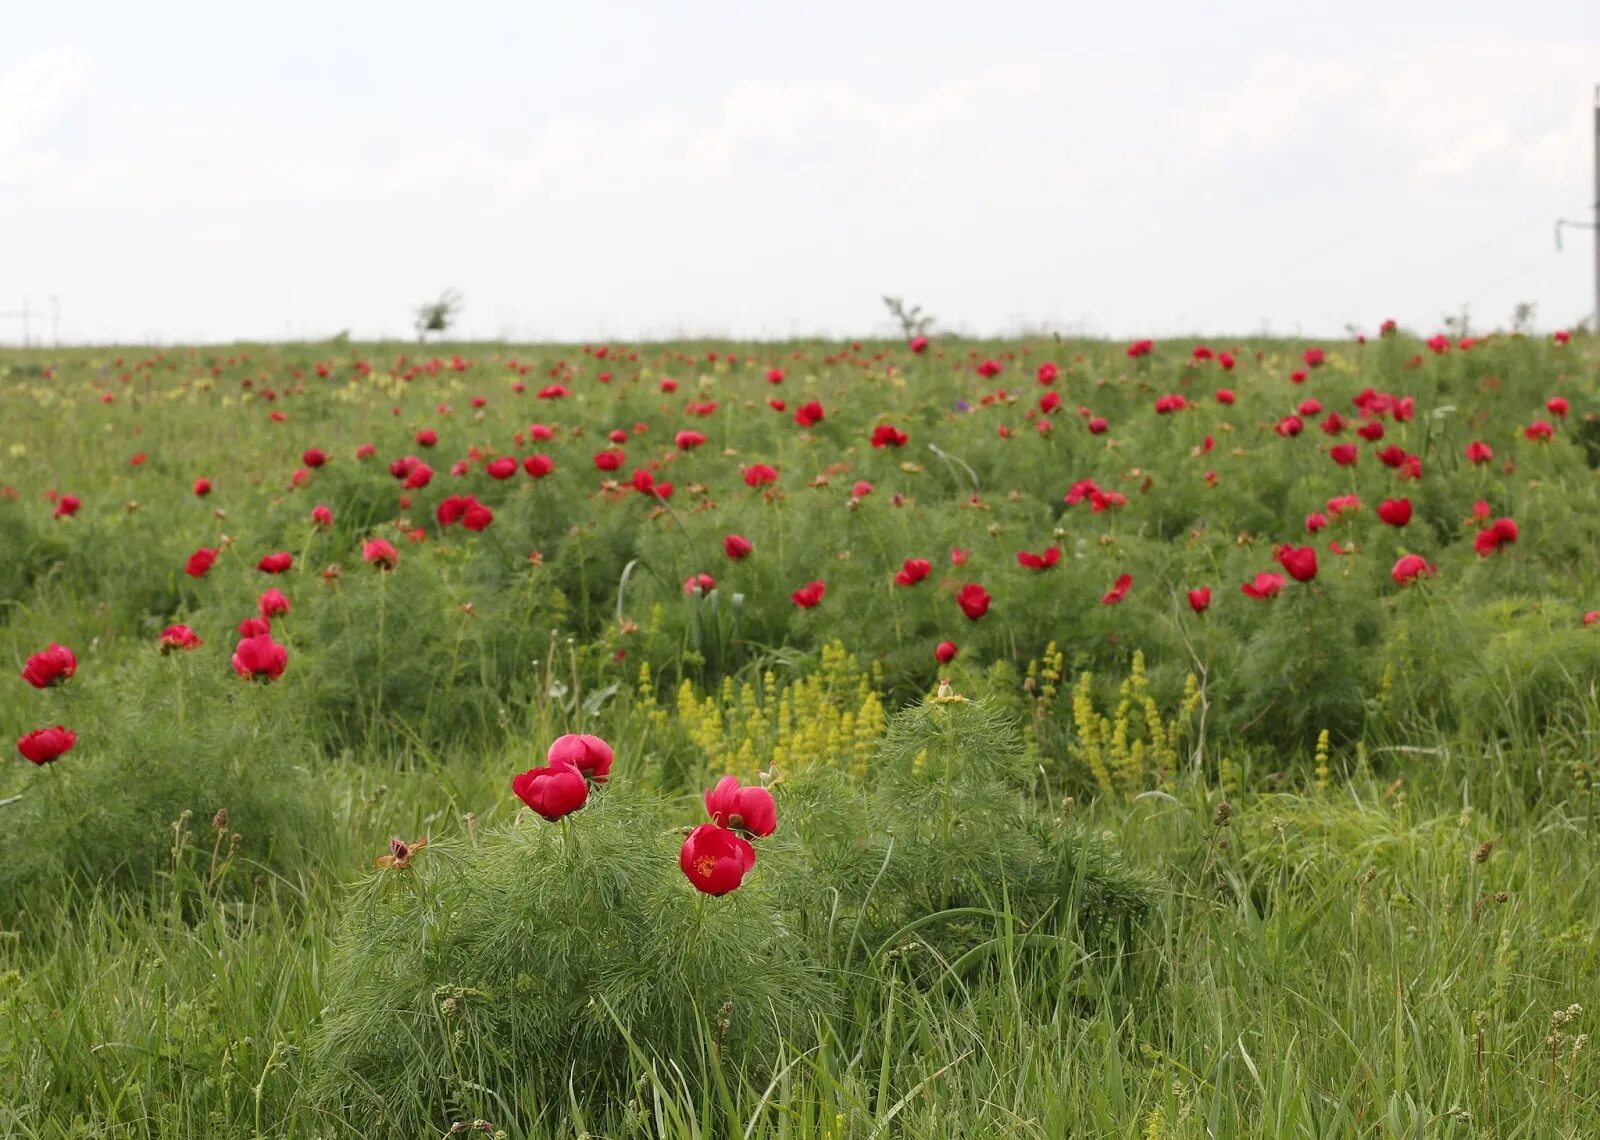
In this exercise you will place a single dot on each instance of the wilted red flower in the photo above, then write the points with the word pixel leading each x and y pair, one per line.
pixel 275 563
pixel 1118 591
pixel 887 435
pixel 1050 557
pixel 50 666
pixel 913 571
pixel 760 475
pixel 273 603
pixel 1299 561
pixel 1395 512
pixel 322 516
pixel 260 657
pixel 1501 532
pixel 380 553
pixel 736 546
pixel 1411 567
pixel 945 652
pixel 400 853
pixel 589 755
pixel 716 860
pixel 704 583
pixel 809 594
pixel 178 637
pixel 43 745
pixel 552 792
pixel 806 415
pixel 974 600
pixel 1264 585
pixel 747 809
pixel 1200 599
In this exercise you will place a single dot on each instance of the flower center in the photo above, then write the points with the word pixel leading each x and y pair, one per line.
pixel 705 865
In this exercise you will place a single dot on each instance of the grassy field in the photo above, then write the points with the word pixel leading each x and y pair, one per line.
pixel 1166 741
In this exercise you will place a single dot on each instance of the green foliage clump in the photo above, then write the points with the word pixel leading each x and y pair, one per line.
pixel 532 964
pixel 133 805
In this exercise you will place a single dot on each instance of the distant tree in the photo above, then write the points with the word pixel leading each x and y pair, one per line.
pixel 1522 316
pixel 913 321
pixel 437 316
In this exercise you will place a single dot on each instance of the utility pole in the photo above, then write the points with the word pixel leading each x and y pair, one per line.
pixel 1593 225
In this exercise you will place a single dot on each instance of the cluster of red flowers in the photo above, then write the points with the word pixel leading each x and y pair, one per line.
pixel 715 856
pixel 47 669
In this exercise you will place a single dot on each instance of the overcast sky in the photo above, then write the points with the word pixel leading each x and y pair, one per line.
pixel 216 171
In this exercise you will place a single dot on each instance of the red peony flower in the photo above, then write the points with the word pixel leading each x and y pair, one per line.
pixel 912 571
pixel 43 745
pixel 1265 585
pixel 254 626
pixel 314 457
pixel 273 603
pixel 552 792
pixel 760 475
pixel 591 756
pixel 736 546
pixel 887 435
pixel 945 652
pixel 202 487
pixel 716 860
pixel 260 657
pixel 322 516
pixel 275 563
pixel 1395 512
pixel 178 637
pixel 1502 532
pixel 974 600
pixel 1411 567
pixel 807 415
pixel 1044 561
pixel 688 440
pixel 1299 561
pixel 747 809
pixel 1479 452
pixel 380 553
pixel 1118 591
pixel 704 583
pixel 809 594
pixel 502 468
pixel 50 666
pixel 538 466
pixel 1200 599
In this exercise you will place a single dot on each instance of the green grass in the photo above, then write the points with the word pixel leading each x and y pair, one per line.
pixel 1236 945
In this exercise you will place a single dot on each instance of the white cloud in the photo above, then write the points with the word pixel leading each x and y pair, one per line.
pixel 1268 104
pixel 33 96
